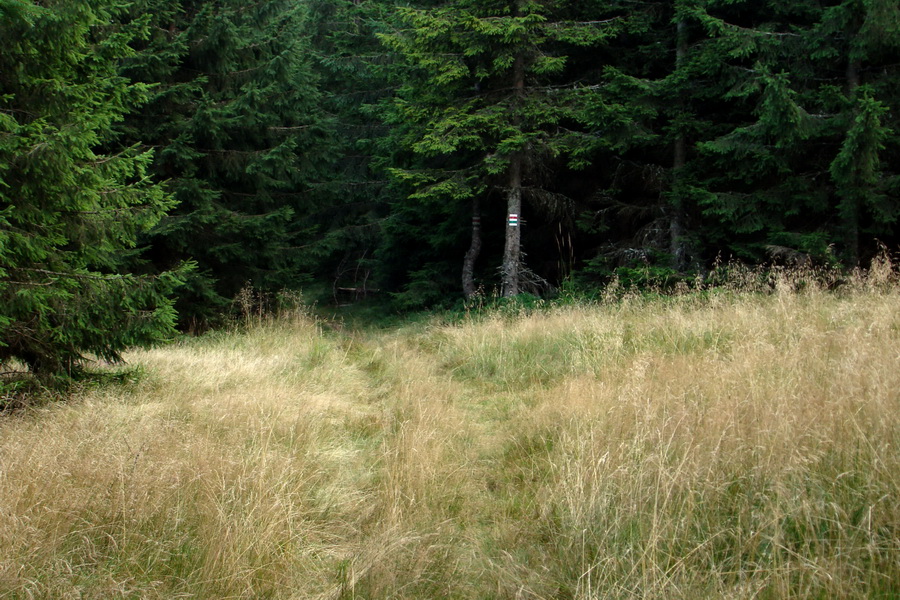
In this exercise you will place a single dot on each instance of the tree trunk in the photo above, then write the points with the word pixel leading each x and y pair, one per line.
pixel 468 272
pixel 852 201
pixel 677 245
pixel 512 251
pixel 853 68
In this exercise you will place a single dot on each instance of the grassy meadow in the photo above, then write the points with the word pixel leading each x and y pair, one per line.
pixel 730 444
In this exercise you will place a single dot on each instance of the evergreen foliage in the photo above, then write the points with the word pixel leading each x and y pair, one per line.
pixel 72 201
pixel 363 145
pixel 489 112
pixel 235 118
pixel 352 200
pixel 799 170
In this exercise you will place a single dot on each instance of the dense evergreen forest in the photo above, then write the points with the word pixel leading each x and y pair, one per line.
pixel 159 156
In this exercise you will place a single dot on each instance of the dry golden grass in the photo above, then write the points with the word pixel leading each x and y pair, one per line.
pixel 704 446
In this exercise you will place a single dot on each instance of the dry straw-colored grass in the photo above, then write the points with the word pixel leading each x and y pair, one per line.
pixel 718 445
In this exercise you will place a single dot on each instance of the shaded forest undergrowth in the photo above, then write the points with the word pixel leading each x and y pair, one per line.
pixel 729 444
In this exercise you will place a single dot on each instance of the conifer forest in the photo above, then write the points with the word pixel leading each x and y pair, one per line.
pixel 159 156
pixel 450 299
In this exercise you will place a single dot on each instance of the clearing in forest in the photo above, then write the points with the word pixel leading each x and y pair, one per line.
pixel 724 445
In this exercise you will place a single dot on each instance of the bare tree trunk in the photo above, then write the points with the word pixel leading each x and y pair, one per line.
pixel 512 251
pixel 677 245
pixel 852 202
pixel 468 272
pixel 853 68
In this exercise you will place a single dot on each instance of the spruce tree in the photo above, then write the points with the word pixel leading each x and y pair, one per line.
pixel 235 118
pixel 72 201
pixel 794 164
pixel 749 127
pixel 858 41
pixel 351 200
pixel 488 108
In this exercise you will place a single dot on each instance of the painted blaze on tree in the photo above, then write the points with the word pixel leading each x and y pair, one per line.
pixel 490 105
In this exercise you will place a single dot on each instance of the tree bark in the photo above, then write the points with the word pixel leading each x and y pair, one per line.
pixel 468 272
pixel 677 245
pixel 512 251
pixel 851 202
pixel 853 68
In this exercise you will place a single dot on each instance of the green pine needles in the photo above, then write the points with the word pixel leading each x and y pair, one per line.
pixel 234 114
pixel 72 202
pixel 487 108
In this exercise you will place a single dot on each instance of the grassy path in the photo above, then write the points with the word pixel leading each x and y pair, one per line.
pixel 721 447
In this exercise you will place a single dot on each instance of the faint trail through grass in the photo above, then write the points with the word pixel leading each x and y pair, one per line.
pixel 731 445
